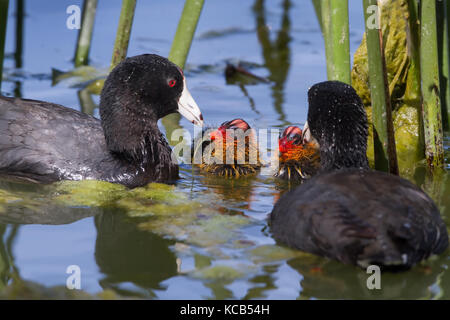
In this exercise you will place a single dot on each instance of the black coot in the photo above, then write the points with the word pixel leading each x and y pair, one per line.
pixel 349 212
pixel 45 142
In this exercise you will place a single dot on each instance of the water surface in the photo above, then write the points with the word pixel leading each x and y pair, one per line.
pixel 204 238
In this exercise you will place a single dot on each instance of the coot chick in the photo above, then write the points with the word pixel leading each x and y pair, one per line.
pixel 46 142
pixel 298 159
pixel 349 212
pixel 230 151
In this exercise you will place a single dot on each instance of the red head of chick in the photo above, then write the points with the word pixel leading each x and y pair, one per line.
pixel 298 157
pixel 232 150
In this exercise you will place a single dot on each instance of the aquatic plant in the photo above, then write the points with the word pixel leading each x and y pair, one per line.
pixel 123 32
pixel 383 131
pixel 4 4
pixel 429 69
pixel 400 30
pixel 85 34
pixel 185 32
pixel 333 19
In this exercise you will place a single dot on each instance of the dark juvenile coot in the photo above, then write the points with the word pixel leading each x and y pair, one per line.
pixel 45 142
pixel 349 212
pixel 298 159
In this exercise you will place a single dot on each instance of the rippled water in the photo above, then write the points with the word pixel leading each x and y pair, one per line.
pixel 205 237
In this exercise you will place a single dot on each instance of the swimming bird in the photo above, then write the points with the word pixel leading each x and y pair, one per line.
pixel 229 151
pixel 298 159
pixel 45 142
pixel 348 212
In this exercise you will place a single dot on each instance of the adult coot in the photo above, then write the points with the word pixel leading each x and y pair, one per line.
pixel 45 142
pixel 349 212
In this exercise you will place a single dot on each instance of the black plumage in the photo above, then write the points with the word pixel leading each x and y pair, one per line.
pixel 349 212
pixel 45 142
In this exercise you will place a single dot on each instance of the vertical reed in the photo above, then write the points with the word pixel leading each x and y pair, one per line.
pixel 20 14
pixel 333 20
pixel 123 32
pixel 180 49
pixel 4 265
pixel 442 34
pixel 185 32
pixel 325 15
pixel 429 69
pixel 383 131
pixel 447 30
pixel 318 8
pixel 85 35
pixel 4 4
pixel 340 41
pixel 413 93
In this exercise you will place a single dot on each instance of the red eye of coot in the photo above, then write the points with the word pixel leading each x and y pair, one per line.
pixel 172 83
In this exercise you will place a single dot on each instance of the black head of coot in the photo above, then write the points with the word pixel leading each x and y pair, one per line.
pixel 337 120
pixel 139 91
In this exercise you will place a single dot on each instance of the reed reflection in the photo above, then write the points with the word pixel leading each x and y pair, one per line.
pixel 277 53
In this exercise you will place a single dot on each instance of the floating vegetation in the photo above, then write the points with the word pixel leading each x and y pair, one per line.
pixel 84 77
pixel 219 272
pixel 271 253
pixel 28 290
pixel 197 224
pixel 212 34
pixel 238 74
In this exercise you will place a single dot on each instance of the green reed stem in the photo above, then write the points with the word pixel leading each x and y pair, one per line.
pixel 325 14
pixel 429 69
pixel 384 141
pixel 4 4
pixel 340 41
pixel 442 34
pixel 333 20
pixel 447 30
pixel 123 32
pixel 413 93
pixel 180 49
pixel 318 8
pixel 185 32
pixel 87 26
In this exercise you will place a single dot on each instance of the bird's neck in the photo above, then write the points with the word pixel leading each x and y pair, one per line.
pixel 132 136
pixel 335 156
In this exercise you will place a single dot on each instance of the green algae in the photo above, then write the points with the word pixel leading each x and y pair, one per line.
pixel 195 221
pixel 400 73
pixel 219 272
pixel 91 193
pixel 81 77
pixel 95 86
pixel 202 261
pixel 271 253
pixel 158 192
pixel 28 290
pixel 161 208
pixel 22 200
pixel 203 227
pixel 96 193
pixel 8 197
